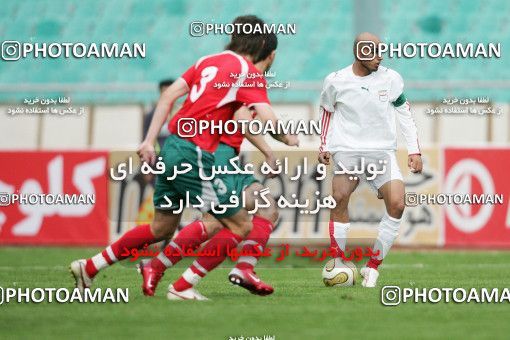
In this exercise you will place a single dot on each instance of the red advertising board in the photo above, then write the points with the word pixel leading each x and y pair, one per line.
pixel 74 210
pixel 477 171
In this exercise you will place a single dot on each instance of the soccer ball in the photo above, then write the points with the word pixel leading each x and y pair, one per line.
pixel 339 273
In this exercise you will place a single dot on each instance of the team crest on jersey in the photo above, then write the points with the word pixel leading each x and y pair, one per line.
pixel 383 95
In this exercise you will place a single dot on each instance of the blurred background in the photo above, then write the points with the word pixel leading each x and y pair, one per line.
pixel 114 95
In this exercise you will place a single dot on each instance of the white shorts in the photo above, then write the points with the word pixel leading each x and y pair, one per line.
pixel 375 167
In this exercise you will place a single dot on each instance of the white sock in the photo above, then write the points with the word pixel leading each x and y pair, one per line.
pixel 388 232
pixel 338 234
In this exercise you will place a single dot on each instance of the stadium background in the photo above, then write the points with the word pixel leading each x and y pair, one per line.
pixel 115 94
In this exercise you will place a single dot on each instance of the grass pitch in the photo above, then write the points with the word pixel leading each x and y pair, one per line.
pixel 301 307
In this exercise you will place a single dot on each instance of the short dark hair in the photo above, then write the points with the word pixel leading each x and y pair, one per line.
pixel 257 45
pixel 165 83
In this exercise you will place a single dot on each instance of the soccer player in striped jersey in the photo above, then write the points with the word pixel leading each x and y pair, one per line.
pixel 360 105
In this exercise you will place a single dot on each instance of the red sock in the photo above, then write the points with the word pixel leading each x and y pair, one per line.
pixel 257 238
pixel 134 238
pixel 334 247
pixel 218 246
pixel 374 263
pixel 191 236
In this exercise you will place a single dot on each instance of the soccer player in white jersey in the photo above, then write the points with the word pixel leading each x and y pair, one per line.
pixel 360 107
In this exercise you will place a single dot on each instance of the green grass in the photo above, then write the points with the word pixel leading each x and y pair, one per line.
pixel 300 308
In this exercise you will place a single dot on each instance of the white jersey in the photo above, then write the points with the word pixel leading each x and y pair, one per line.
pixel 359 113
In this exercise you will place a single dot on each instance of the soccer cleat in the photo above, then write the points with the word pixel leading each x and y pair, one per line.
pixel 370 276
pixel 81 278
pixel 151 278
pixel 247 279
pixel 187 294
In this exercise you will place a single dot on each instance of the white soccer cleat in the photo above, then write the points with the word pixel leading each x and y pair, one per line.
pixel 370 276
pixel 81 278
pixel 187 294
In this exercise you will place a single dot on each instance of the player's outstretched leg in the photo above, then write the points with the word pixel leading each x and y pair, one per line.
pixel 393 194
pixel 162 227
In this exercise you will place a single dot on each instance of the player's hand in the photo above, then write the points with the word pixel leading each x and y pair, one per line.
pixel 324 157
pixel 415 163
pixel 291 140
pixel 271 161
pixel 147 153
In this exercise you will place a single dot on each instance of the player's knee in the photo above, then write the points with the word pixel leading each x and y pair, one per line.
pixel 243 229
pixel 212 227
pixel 164 224
pixel 161 231
pixel 239 227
